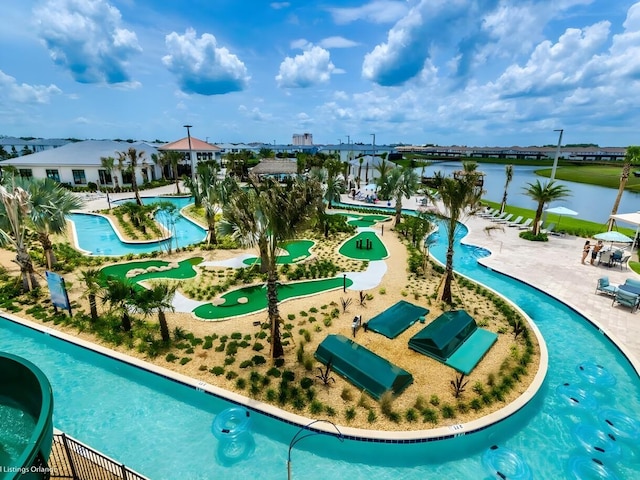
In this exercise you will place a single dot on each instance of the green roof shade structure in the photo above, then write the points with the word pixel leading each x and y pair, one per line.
pixel 455 340
pixel 365 369
pixel 396 319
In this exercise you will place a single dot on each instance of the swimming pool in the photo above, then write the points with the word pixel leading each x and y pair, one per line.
pixel 96 236
pixel 128 413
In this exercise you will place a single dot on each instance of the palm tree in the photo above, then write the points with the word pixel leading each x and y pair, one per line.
pixel 50 204
pixel 160 161
pixel 121 295
pixel 402 182
pixel 632 156
pixel 173 159
pixel 383 169
pixel 360 160
pixel 508 170
pixel 335 183
pixel 15 208
pixel 456 194
pixel 158 299
pixel 265 152
pixel 265 216
pixel 216 192
pixel 109 164
pixel 92 288
pixel 544 193
pixel 128 162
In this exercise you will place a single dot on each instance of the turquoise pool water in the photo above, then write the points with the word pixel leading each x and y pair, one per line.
pixel 128 413
pixel 16 428
pixel 96 235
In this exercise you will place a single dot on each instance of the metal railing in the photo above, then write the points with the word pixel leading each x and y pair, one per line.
pixel 74 460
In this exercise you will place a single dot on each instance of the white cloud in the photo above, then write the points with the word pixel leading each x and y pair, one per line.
pixel 255 114
pixel 311 68
pixel 337 42
pixel 377 11
pixel 86 37
pixel 301 44
pixel 11 90
pixel 201 66
pixel 279 5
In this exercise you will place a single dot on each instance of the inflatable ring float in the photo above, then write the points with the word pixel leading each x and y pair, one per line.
pixel 621 425
pixel 231 450
pixel 585 467
pixel 231 422
pixel 505 464
pixel 574 396
pixel 596 374
pixel 596 442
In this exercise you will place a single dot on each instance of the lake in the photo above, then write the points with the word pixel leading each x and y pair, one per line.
pixel 590 201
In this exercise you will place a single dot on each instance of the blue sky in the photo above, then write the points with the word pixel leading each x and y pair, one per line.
pixel 472 72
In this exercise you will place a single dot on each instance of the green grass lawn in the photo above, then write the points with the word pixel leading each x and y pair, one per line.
pixel 603 175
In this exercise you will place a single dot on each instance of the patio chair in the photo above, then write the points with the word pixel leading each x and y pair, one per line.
pixel 527 223
pixel 605 257
pixel 627 299
pixel 605 287
pixel 616 258
pixel 549 229
pixel 505 219
pixel 516 222
pixel 624 261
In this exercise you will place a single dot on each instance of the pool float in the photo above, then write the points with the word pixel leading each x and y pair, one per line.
pixel 598 443
pixel 585 468
pixel 596 374
pixel 505 464
pixel 231 450
pixel 231 422
pixel 574 396
pixel 619 424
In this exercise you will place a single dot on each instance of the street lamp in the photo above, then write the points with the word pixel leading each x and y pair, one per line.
pixel 555 160
pixel 193 170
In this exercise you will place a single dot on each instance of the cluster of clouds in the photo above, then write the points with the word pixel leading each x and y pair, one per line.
pixel 464 58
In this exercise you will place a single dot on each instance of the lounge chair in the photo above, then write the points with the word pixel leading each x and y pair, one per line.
pixel 627 299
pixel 527 223
pixel 489 213
pixel 605 287
pixel 549 229
pixel 499 217
pixel 505 219
pixel 515 222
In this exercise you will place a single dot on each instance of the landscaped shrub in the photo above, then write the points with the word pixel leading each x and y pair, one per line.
pixel 371 416
pixel 258 360
pixel 170 357
pixel 306 382
pixel 241 383
pixel 184 360
pixel 447 411
pixel 231 375
pixel 346 394
pixel 350 414
pixel 274 372
pixel 217 371
pixel 288 376
pixel 330 411
pixel 430 415
pixel 246 364
pixel 229 360
pixel 316 407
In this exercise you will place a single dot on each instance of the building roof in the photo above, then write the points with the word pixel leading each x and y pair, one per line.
pixel 182 145
pixel 275 167
pixel 87 153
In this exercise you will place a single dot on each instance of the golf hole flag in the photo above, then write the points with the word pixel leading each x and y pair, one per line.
pixel 58 291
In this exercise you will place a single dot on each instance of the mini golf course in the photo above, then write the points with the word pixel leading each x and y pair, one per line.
pixel 366 220
pixel 183 270
pixel 254 298
pixel 364 246
pixel 297 250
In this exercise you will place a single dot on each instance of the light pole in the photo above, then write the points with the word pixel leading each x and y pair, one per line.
pixel 555 160
pixel 374 146
pixel 193 169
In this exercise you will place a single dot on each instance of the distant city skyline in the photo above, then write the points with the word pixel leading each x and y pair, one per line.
pixel 469 72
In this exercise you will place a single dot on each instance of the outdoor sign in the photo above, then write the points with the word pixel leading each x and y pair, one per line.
pixel 58 291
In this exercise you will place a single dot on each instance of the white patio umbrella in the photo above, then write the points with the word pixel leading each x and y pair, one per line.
pixel 561 211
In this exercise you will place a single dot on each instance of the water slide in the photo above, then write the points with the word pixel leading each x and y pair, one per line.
pixel 26 425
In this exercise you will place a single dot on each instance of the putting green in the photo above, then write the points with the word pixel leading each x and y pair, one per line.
pixel 297 250
pixel 254 298
pixel 377 251
pixel 366 220
pixel 184 270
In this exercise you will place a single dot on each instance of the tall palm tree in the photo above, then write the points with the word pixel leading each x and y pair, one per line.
pixel 508 171
pixel 265 216
pixel 121 295
pixel 335 183
pixel 110 164
pixel 402 182
pixel 216 193
pixel 456 194
pixel 173 159
pixel 128 162
pixel 544 193
pixel 632 157
pixel 50 204
pixel 383 169
pixel 90 279
pixel 15 208
pixel 360 160
pixel 158 299
pixel 160 161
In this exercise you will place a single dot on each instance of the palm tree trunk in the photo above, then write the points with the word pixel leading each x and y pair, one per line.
pixel 274 315
pixel 47 247
pixel 175 177
pixel 29 280
pixel 164 327
pixel 93 307
pixel 134 186
pixel 536 220
pixel 398 212
pixel 264 255
pixel 448 273
pixel 626 168
pixel 212 232
pixel 126 321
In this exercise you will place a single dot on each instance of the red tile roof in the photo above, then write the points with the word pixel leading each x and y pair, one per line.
pixel 182 145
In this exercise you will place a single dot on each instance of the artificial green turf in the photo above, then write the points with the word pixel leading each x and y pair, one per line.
pixel 377 252
pixel 365 220
pixel 296 250
pixel 185 269
pixel 257 297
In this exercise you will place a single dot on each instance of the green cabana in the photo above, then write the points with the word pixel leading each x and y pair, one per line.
pixel 362 367
pixel 396 319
